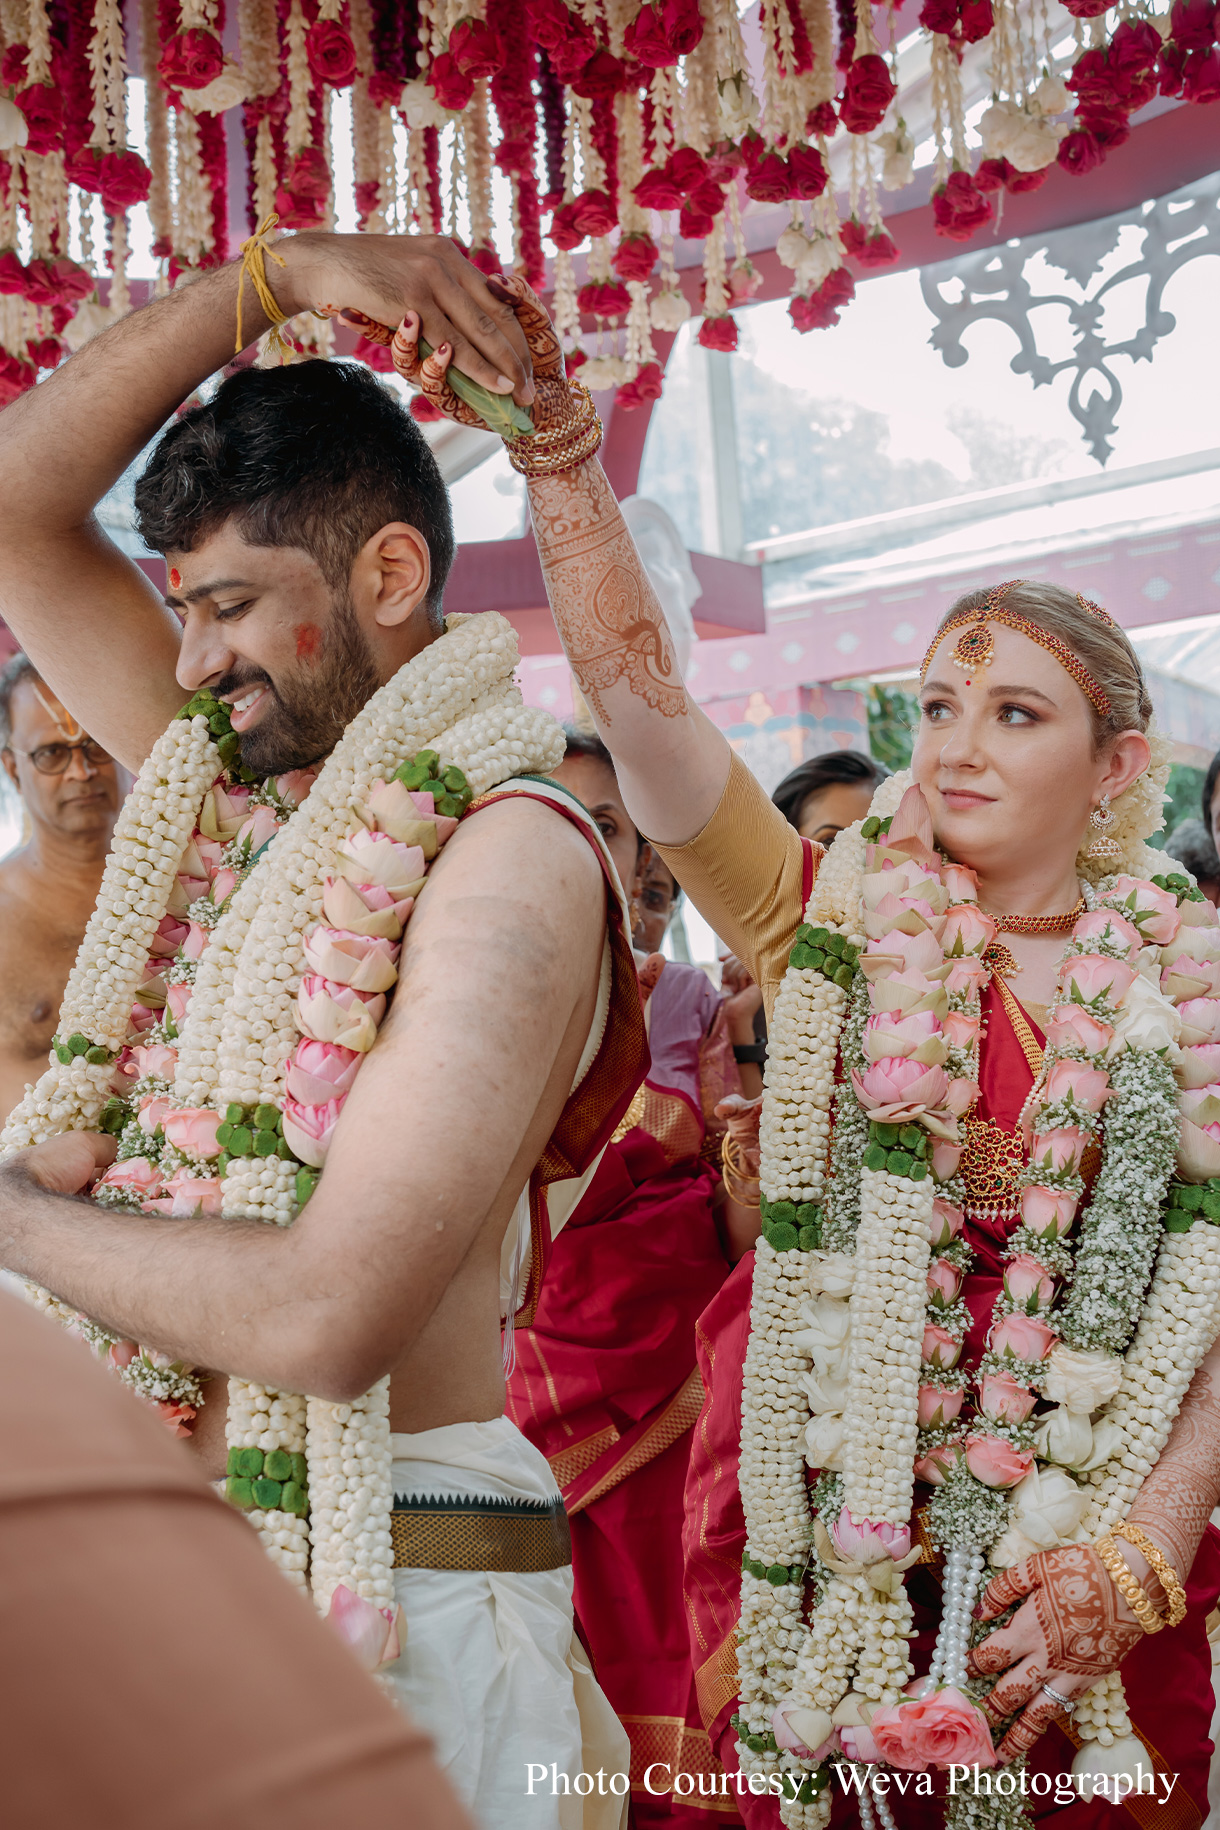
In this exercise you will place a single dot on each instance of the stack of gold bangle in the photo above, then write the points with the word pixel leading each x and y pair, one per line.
pixel 1175 1594
pixel 561 447
pixel 740 1184
pixel 1130 1590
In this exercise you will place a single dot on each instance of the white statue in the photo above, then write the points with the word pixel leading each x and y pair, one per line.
pixel 669 569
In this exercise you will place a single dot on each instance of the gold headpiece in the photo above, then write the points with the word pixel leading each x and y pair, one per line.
pixel 976 646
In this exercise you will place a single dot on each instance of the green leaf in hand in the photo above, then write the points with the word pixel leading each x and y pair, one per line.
pixel 499 412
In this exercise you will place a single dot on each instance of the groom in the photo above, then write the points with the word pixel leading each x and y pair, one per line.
pixel 307 534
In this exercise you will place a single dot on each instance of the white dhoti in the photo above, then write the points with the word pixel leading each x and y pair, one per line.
pixel 492 1667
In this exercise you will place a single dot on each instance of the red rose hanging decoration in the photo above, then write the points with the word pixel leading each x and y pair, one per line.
pixel 331 53
pixel 192 60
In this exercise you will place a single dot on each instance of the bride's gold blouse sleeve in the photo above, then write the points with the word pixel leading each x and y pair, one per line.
pixel 748 873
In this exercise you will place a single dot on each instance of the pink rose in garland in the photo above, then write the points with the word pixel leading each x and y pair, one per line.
pixel 1021 1337
pixel 947 1222
pixel 1114 930
pixel 1048 1212
pixel 1085 1086
pixel 178 997
pixel 137 1176
pixel 192 60
pixel 1072 1026
pixel 939 1405
pixel 1058 1150
pixel 152 1111
pixel 995 1462
pixel 309 1129
pixel 155 1060
pixel 936 1466
pixel 191 1194
pixel 1002 1398
pixel 967 930
pixel 1027 1284
pixel 944 1283
pixel 192 1129
pixel 944 1729
pixel 940 1349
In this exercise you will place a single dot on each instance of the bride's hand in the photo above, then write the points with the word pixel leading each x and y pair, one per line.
pixel 552 395
pixel 1073 1627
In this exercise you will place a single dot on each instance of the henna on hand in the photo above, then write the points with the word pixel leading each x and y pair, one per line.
pixel 1179 1496
pixel 1073 1628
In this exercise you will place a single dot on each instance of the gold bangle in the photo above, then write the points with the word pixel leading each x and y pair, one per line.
pixel 1124 1581
pixel 562 447
pixel 755 1205
pixel 1175 1594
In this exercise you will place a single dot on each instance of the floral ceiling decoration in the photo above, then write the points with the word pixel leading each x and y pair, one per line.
pixel 620 129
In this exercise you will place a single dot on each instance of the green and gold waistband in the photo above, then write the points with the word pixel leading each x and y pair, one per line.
pixel 478 1533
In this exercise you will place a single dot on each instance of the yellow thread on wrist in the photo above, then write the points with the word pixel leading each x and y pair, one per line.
pixel 254 252
pixel 1124 1581
pixel 1158 1562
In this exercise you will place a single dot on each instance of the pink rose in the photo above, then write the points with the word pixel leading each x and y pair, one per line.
pixel 938 1464
pixel 1153 911
pixel 223 885
pixel 293 787
pixel 122 1353
pixel 1028 1284
pixel 176 1417
pixel 967 975
pixel 258 829
pixel 168 938
pixel 946 1158
pixel 330 1012
pixel 967 930
pixel 1002 1398
pixel 374 1635
pixel 1200 1021
pixel 142 1018
pixel 1091 975
pixel 897 1086
pixel 192 1129
pixel 1105 925
pixel 947 1222
pixel 372 857
pixel 944 1729
pixel 868 1540
pixel 1021 1337
pixel 365 962
pixel 195 942
pixel 319 1071
pixel 944 1282
pixel 938 1406
pixel 191 1194
pixel 940 1349
pixel 995 1462
pixel 155 1061
pixel 364 908
pixel 1060 1149
pixel 152 1110
pixel 961 1028
pixel 1048 1212
pixel 178 997
pixel 135 1176
pixel 308 1129
pixel 961 883
pixel 1071 1026
pixel 1088 1087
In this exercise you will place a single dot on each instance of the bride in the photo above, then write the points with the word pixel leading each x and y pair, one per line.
pixel 940 1393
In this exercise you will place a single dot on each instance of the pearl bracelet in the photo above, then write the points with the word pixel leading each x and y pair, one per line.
pixel 1124 1581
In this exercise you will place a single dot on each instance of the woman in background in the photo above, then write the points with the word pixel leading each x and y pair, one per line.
pixel 826 794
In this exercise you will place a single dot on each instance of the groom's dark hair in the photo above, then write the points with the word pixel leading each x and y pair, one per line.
pixel 316 455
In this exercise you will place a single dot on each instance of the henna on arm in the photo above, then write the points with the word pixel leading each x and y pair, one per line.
pixel 1179 1496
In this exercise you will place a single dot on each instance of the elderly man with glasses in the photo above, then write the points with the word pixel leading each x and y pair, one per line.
pixel 71 793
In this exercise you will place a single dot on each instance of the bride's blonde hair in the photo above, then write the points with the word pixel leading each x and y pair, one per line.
pixel 1101 645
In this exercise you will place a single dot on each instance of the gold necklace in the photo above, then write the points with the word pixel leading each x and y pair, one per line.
pixel 1039 924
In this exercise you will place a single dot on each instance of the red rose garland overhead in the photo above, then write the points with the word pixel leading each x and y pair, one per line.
pixel 618 127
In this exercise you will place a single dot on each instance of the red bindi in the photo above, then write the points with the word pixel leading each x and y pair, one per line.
pixel 175 578
pixel 309 640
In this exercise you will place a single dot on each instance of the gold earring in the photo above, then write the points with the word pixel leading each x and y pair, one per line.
pixel 1103 848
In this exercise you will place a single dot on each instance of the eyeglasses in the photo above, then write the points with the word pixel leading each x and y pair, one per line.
pixel 53 758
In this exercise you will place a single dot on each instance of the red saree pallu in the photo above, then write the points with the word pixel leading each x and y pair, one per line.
pixel 1167 1676
pixel 605 1384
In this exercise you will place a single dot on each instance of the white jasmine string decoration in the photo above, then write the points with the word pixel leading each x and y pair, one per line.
pixel 230 983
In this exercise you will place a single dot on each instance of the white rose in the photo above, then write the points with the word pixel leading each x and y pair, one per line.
pixel 1051 95
pixel 1108 1441
pixel 88 321
pixel 603 372
pixel 793 246
pixel 813 267
pixel 1146 1019
pixel 1034 144
pixel 669 311
pixel 224 91
pixel 13 129
pixel 824 1441
pixel 898 159
pixel 1081 1380
pixel 1048 1507
pixel 825 1330
pixel 997 126
pixel 1065 1437
pixel 1012 1547
pixel 826 1391
pixel 831 1274
pixel 421 107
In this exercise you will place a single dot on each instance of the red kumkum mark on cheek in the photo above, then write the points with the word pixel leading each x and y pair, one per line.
pixel 309 641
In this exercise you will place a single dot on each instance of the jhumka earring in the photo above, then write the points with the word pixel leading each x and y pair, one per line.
pixel 1104 848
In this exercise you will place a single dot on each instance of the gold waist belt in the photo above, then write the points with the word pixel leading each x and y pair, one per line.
pixel 480 1534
